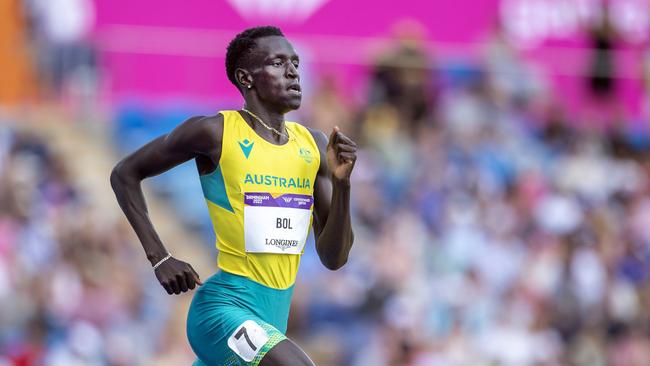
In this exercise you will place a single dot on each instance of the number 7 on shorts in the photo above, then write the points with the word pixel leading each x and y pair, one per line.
pixel 247 340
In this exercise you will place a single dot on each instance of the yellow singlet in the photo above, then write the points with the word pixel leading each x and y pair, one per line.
pixel 260 199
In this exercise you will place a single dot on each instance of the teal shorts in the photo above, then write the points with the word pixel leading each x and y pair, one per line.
pixel 235 321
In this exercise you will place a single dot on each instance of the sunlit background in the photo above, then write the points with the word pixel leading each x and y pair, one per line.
pixel 501 199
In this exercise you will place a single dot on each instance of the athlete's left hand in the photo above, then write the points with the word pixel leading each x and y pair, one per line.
pixel 341 155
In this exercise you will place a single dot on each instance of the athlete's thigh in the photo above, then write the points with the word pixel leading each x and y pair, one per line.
pixel 244 344
pixel 286 353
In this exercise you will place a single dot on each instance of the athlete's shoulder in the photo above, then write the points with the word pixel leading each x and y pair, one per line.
pixel 319 137
pixel 204 132
pixel 214 120
pixel 209 124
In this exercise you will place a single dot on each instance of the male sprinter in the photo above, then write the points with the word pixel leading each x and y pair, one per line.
pixel 262 178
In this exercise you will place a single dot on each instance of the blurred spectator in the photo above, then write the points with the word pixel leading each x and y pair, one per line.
pixel 602 66
pixel 61 31
pixel 401 77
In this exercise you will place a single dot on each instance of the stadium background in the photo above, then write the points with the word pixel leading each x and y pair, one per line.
pixel 500 200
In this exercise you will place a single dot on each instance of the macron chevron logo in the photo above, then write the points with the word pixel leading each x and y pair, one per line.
pixel 246 147
pixel 295 11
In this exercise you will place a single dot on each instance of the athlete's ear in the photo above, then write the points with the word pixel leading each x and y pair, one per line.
pixel 244 78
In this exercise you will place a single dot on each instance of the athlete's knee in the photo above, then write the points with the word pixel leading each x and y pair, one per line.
pixel 286 353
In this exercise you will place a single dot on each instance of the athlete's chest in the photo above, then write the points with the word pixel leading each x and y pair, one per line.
pixel 252 165
pixel 272 187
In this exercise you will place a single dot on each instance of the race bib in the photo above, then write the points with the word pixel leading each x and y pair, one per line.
pixel 276 223
pixel 247 340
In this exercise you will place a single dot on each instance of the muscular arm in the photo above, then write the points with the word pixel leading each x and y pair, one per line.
pixel 332 224
pixel 197 138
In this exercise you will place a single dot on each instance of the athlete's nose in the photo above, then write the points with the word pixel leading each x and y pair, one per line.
pixel 292 71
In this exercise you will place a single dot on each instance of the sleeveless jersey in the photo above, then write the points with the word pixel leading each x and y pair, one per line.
pixel 260 200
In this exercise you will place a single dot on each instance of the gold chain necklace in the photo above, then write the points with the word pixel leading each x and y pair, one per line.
pixel 265 125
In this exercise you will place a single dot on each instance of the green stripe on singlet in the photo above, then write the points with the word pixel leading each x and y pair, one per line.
pixel 214 189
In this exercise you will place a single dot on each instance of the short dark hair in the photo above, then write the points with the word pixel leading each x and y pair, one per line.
pixel 241 47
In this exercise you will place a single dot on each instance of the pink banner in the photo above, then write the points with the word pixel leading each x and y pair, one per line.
pixel 165 50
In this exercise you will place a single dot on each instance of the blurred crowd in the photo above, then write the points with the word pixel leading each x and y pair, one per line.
pixel 70 293
pixel 489 230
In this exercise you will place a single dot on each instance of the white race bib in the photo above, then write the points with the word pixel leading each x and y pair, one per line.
pixel 276 224
pixel 247 340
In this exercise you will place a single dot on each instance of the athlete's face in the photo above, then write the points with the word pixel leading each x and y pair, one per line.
pixel 275 74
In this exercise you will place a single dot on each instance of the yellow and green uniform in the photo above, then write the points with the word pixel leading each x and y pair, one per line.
pixel 260 200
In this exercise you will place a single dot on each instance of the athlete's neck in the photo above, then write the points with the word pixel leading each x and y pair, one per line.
pixel 273 119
